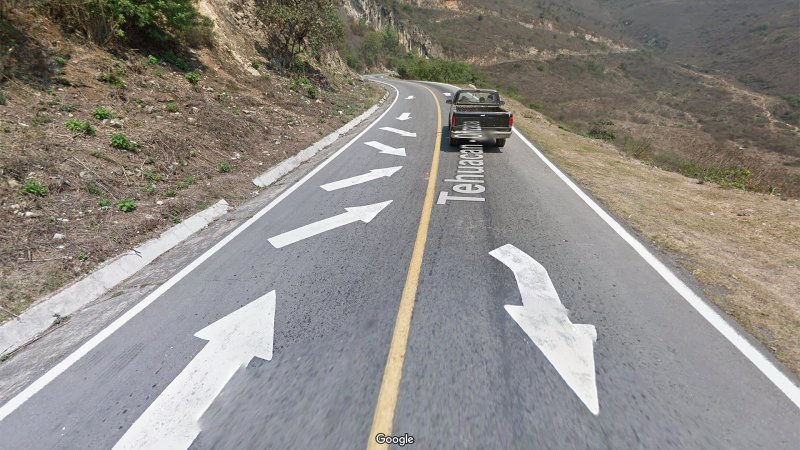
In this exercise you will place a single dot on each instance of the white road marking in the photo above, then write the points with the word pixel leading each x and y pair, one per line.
pixel 400 132
pixel 762 363
pixel 361 213
pixel 89 345
pixel 373 174
pixel 171 421
pixel 387 149
pixel 447 94
pixel 410 97
pixel 778 378
pixel 569 347
pixel 404 116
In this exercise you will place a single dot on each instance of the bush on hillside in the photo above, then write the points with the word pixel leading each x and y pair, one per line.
pixel 158 21
pixel 441 70
pixel 297 27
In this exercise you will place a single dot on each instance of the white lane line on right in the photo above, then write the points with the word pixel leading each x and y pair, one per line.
pixel 387 149
pixel 101 336
pixel 770 370
pixel 373 174
pixel 778 378
pixel 400 132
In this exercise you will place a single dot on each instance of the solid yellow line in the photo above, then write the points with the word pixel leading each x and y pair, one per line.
pixel 390 386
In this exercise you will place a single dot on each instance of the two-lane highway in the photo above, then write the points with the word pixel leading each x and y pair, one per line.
pixel 464 297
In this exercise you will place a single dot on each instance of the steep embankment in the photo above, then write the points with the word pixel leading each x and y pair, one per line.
pixel 101 150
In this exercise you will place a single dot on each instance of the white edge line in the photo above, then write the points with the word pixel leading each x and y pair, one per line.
pixel 65 364
pixel 778 378
pixel 763 364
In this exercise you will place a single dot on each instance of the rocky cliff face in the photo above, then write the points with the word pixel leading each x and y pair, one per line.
pixel 379 17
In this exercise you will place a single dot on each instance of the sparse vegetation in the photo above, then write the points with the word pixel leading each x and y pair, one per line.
pixel 121 142
pixel 126 205
pixel 172 107
pixel 224 167
pixel 35 188
pixel 80 126
pixel 192 77
pixel 101 113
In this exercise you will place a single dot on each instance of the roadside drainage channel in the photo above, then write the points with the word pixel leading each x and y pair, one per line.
pixel 30 325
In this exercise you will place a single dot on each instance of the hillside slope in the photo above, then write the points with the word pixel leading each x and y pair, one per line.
pixel 100 150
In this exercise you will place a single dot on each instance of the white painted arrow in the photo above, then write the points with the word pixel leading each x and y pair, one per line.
pixel 400 132
pixel 404 116
pixel 171 421
pixel 373 174
pixel 386 149
pixel 362 213
pixel 410 97
pixel 569 347
pixel 447 94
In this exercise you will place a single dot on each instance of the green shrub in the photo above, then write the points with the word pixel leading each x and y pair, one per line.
pixel 121 142
pixel 93 188
pixel 35 188
pixel 170 57
pixel 312 92
pixel 150 176
pixel 60 60
pixel 224 167
pixel 2 98
pixel 101 113
pixel 298 83
pixel 103 21
pixel 172 107
pixel 441 70
pixel 80 126
pixel 126 205
pixel 192 77
pixel 256 64
pixel 111 79
pixel 171 193
pixel 104 203
pixel 149 189
pixel 601 130
pixel 152 60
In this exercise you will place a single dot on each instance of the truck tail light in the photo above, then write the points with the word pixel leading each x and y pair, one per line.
pixel 511 121
pixel 453 120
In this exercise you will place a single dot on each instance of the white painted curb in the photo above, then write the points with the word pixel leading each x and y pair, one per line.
pixel 34 321
pixel 291 163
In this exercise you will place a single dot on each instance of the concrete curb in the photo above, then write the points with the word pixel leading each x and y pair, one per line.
pixel 291 163
pixel 37 319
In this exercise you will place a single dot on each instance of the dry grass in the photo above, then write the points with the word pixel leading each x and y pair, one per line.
pixel 743 247
pixel 184 132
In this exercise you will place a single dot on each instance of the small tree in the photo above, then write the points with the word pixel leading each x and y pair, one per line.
pixel 298 26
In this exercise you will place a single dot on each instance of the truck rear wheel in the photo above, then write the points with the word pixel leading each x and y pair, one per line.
pixel 500 142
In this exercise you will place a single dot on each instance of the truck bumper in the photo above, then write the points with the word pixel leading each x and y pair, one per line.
pixel 458 132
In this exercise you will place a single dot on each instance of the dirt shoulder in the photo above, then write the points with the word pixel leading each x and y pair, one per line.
pixel 103 152
pixel 743 247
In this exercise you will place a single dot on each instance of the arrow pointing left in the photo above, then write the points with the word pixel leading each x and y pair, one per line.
pixel 361 213
pixel 171 421
pixel 569 347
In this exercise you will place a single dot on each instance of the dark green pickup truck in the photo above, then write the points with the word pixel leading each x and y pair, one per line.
pixel 479 113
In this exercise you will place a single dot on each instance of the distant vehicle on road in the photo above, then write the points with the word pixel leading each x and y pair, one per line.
pixel 479 113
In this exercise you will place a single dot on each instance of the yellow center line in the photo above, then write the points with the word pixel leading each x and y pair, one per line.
pixel 390 385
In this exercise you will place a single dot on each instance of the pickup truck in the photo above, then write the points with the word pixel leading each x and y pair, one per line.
pixel 479 113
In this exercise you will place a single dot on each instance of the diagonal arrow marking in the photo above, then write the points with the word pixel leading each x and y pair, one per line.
pixel 373 174
pixel 404 116
pixel 569 347
pixel 400 132
pixel 171 421
pixel 386 149
pixel 410 97
pixel 361 213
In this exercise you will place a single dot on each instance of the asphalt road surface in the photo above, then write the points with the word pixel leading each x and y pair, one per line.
pixel 364 301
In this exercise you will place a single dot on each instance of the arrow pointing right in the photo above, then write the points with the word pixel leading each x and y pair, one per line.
pixel 569 347
pixel 363 213
pixel 171 421
pixel 373 174
pixel 387 149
